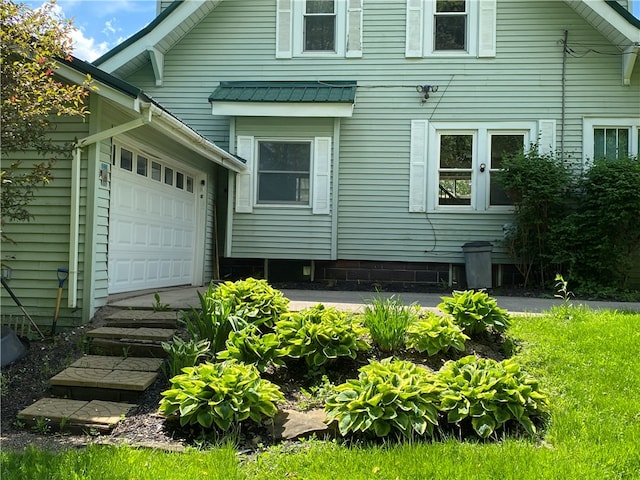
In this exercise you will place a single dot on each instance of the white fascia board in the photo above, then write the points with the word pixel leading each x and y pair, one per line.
pixel 279 109
pixel 614 19
pixel 168 25
pixel 103 90
pixel 181 133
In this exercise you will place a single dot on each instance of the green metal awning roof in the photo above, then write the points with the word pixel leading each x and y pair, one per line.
pixel 312 92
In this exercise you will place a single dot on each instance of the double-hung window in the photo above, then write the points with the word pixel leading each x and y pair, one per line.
pixel 451 28
pixel 283 172
pixel 611 138
pixel 319 26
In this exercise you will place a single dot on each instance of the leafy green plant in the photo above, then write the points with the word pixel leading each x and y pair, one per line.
pixel 214 321
pixel 475 312
pixel 490 394
pixel 388 397
pixel 254 300
pixel 183 353
pixel 158 306
pixel 434 334
pixel 316 395
pixel 250 346
pixel 387 321
pixel 563 292
pixel 319 334
pixel 541 187
pixel 221 395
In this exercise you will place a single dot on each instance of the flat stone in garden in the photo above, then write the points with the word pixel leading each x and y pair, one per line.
pixel 291 424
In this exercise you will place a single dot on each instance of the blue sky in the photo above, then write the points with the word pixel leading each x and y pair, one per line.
pixel 103 24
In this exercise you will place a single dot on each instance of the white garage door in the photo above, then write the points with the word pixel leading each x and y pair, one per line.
pixel 152 224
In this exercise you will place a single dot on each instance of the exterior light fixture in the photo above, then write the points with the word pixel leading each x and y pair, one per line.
pixel 425 90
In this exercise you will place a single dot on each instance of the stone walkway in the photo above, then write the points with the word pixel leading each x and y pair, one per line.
pixel 96 391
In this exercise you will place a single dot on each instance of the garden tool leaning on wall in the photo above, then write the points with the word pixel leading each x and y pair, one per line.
pixel 63 273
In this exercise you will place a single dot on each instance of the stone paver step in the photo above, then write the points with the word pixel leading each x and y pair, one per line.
pixel 141 364
pixel 142 318
pixel 131 348
pixel 62 413
pixel 104 378
pixel 140 333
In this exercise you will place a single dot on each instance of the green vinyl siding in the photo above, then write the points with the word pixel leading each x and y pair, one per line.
pixel 280 231
pixel 522 83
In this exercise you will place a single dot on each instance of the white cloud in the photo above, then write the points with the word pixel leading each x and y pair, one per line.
pixel 86 48
pixel 109 29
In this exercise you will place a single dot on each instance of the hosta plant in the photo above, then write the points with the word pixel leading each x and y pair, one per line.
pixel 250 346
pixel 319 334
pixel 387 321
pixel 388 397
pixel 254 300
pixel 213 321
pixel 220 395
pixel 434 334
pixel 488 394
pixel 183 353
pixel 475 312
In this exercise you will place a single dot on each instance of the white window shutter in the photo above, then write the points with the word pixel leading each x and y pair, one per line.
pixel 284 28
pixel 244 180
pixel 354 29
pixel 321 176
pixel 418 166
pixel 415 29
pixel 547 136
pixel 487 28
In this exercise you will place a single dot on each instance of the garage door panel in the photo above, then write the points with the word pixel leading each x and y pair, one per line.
pixel 151 234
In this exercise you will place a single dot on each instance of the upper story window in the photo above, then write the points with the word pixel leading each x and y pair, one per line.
pixel 319 29
pixel 450 25
pixel 451 28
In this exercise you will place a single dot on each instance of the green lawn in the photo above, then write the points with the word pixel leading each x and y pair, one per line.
pixel 588 363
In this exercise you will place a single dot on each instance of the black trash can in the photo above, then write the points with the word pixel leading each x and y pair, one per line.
pixel 477 262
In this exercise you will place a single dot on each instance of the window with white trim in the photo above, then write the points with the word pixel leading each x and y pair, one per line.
pixel 611 138
pixel 291 172
pixel 451 28
pixel 318 28
pixel 283 172
pixel 454 166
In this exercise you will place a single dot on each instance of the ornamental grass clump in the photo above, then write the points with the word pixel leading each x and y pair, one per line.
pixel 489 395
pixel 220 395
pixel 388 320
pixel 254 300
pixel 475 312
pixel 388 397
pixel 320 334
pixel 434 334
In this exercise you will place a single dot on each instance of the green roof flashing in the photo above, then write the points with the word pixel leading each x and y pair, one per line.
pixel 291 92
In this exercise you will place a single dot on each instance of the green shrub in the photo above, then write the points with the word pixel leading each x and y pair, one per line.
pixel 220 394
pixel 250 346
pixel 316 395
pixel 183 353
pixel 254 300
pixel 607 246
pixel 319 334
pixel 387 321
pixel 435 334
pixel 475 312
pixel 541 187
pixel 489 394
pixel 213 321
pixel 388 397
